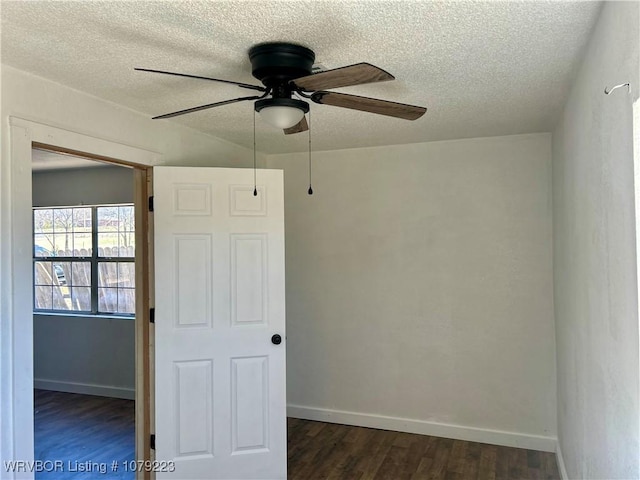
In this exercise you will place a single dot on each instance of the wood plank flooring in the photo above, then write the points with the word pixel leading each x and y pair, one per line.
pixel 76 429
pixel 338 452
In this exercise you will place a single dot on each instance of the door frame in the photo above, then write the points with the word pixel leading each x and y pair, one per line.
pixel 16 319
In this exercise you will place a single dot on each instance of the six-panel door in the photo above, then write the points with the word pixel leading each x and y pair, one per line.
pixel 219 298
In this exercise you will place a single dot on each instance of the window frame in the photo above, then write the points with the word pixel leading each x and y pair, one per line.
pixel 94 260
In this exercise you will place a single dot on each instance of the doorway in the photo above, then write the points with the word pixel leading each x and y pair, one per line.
pixel 110 263
pixel 84 314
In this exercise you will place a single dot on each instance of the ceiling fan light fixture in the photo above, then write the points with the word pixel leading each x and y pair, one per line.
pixel 286 69
pixel 281 112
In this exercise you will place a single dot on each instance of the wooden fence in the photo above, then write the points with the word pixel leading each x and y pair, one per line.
pixel 66 285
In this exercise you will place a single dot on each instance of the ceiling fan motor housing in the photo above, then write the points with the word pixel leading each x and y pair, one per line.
pixel 276 64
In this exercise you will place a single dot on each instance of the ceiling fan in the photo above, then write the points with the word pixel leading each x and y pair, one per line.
pixel 285 70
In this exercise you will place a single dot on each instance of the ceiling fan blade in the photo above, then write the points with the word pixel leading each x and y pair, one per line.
pixel 239 84
pixel 372 105
pixel 343 77
pixel 301 126
pixel 204 107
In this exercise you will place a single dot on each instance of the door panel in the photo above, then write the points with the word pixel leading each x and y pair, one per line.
pixel 219 275
pixel 248 279
pixel 192 285
pixel 249 404
pixel 194 394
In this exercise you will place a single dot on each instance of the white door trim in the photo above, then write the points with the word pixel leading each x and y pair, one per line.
pixel 16 316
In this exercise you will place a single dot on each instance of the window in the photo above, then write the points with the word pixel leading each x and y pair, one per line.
pixel 83 259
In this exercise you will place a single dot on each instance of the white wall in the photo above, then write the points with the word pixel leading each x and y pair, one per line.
pixel 90 355
pixel 596 302
pixel 419 286
pixel 84 354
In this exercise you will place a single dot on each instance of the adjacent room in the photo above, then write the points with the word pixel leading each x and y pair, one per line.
pixel 84 337
pixel 382 239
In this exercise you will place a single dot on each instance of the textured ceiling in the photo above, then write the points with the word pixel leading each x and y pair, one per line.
pixel 481 68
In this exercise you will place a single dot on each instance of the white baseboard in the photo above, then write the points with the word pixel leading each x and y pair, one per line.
pixel 560 460
pixel 457 432
pixel 85 388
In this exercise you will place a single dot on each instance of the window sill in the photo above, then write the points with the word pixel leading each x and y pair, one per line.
pixel 84 315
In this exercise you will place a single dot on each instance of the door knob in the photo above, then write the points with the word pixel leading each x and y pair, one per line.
pixel 276 339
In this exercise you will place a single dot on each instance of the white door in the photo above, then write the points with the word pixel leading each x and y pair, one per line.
pixel 219 298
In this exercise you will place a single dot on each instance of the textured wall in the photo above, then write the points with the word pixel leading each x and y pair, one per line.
pixel 419 282
pixel 596 301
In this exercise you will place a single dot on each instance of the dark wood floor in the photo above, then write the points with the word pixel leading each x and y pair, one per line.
pixel 80 430
pixel 76 429
pixel 329 451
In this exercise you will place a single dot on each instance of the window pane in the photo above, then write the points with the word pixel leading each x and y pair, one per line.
pixel 58 291
pixel 126 274
pixel 126 251
pixel 108 274
pixel 43 297
pixel 63 220
pixel 42 245
pixel 62 274
pixel 61 298
pixel 116 274
pixel 42 274
pixel 116 231
pixel 43 221
pixel 117 300
pixel 82 219
pixel 82 244
pixel 117 287
pixel 108 300
pixel 126 300
pixel 63 244
pixel 126 228
pixel 108 245
pixel 127 218
pixel 81 298
pixel 107 219
pixel 81 274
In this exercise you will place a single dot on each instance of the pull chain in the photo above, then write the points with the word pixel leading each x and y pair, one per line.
pixel 255 186
pixel 310 191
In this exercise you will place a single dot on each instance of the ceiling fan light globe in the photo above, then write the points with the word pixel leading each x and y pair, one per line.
pixel 282 117
pixel 282 113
